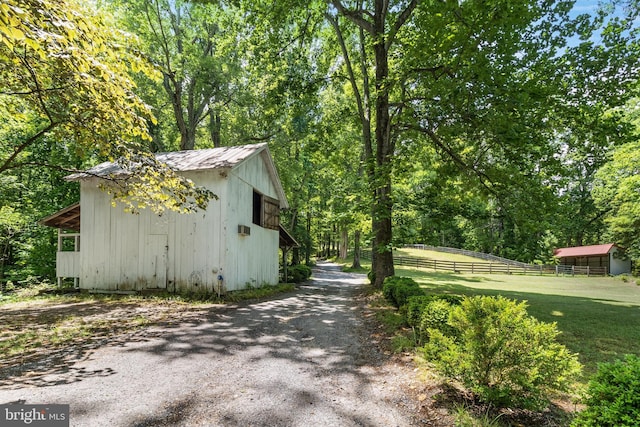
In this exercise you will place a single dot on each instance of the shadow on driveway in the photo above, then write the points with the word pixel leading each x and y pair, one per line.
pixel 302 358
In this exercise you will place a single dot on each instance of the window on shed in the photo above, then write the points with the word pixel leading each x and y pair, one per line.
pixel 257 208
pixel 266 211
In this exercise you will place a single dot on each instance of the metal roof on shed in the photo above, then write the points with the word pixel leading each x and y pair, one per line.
pixel 198 160
pixel 187 160
pixel 582 251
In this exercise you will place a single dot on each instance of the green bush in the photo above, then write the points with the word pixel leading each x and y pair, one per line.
pixel 371 275
pixel 613 395
pixel 435 316
pixel 387 289
pixel 298 273
pixel 397 290
pixel 421 314
pixel 415 306
pixel 450 298
pixel 506 357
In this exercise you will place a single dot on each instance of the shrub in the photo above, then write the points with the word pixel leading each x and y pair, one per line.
pixel 387 290
pixel 397 290
pixel 371 275
pixel 613 395
pixel 435 316
pixel 298 273
pixel 503 355
pixel 430 311
pixel 415 306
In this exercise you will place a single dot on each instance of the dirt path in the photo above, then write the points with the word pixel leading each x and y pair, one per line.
pixel 302 359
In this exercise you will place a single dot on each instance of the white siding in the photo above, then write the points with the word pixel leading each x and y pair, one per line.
pixel 67 264
pixel 253 259
pixel 198 240
pixel 181 252
pixel 617 265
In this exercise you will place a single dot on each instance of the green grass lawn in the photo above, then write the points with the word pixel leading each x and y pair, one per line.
pixel 599 317
pixel 440 256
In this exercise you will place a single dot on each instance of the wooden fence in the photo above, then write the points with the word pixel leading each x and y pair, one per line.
pixel 491 267
pixel 474 254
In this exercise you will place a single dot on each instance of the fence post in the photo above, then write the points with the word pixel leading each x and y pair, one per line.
pixel 573 270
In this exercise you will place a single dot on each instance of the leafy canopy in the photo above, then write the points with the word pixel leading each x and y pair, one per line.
pixel 64 76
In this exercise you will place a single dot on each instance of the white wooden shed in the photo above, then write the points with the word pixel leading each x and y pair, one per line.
pixel 234 243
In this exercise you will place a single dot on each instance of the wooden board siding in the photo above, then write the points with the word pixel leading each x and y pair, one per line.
pixel 253 259
pixel 67 264
pixel 181 252
pixel 124 251
pixel 196 241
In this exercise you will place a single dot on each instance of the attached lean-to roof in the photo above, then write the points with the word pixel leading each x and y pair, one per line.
pixel 286 239
pixel 66 219
pixel 582 251
pixel 199 160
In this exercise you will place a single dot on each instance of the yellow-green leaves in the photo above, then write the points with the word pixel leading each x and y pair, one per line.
pixel 64 76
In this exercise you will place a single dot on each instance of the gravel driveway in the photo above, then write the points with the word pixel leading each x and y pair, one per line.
pixel 301 359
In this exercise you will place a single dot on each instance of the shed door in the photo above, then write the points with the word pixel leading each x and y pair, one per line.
pixel 156 261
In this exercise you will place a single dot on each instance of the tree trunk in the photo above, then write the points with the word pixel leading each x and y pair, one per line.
pixel 379 168
pixel 344 243
pixel 307 253
pixel 356 250
pixel 214 127
pixel 382 204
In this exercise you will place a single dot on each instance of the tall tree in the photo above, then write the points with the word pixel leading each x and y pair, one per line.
pixel 378 26
pixel 617 192
pixel 616 188
pixel 194 46
pixel 490 88
pixel 64 76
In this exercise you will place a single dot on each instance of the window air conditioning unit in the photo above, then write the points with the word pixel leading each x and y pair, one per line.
pixel 244 230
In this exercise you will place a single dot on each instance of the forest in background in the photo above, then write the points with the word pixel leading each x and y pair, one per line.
pixel 504 128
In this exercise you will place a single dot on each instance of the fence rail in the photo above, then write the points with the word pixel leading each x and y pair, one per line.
pixel 474 254
pixel 493 268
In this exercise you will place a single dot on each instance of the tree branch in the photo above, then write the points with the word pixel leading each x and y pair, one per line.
pixel 7 164
pixel 485 180
pixel 355 16
pixel 402 18
pixel 32 92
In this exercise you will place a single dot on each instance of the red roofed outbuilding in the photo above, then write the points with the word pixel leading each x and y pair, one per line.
pixel 608 255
